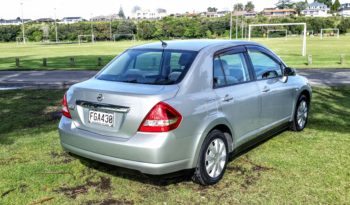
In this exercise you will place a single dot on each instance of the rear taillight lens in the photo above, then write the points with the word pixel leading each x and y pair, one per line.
pixel 65 110
pixel 162 118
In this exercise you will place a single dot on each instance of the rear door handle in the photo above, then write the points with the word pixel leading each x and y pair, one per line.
pixel 228 98
pixel 265 89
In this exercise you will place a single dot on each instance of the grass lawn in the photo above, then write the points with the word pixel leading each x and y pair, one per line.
pixel 311 167
pixel 326 53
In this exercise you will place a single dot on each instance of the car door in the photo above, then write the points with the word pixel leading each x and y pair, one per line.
pixel 276 94
pixel 237 92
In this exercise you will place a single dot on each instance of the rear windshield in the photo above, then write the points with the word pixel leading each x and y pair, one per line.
pixel 151 66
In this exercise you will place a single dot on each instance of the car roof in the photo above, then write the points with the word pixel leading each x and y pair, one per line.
pixel 193 45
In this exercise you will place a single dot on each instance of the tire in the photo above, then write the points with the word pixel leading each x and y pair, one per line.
pixel 215 150
pixel 300 117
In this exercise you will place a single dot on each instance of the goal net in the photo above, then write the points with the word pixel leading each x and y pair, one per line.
pixel 86 39
pixel 21 40
pixel 329 32
pixel 123 37
pixel 278 26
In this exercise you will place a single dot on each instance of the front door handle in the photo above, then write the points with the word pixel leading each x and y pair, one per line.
pixel 265 89
pixel 228 98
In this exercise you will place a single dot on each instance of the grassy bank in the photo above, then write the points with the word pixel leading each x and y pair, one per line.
pixel 311 167
pixel 326 53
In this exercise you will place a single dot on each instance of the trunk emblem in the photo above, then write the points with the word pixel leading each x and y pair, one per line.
pixel 99 97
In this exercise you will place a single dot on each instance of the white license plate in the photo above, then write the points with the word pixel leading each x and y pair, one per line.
pixel 101 118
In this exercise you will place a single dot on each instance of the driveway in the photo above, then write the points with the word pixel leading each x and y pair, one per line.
pixel 63 79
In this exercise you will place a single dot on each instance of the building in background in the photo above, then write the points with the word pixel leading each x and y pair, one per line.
pixel 316 9
pixel 17 21
pixel 274 12
pixel 345 10
pixel 149 14
pixel 69 20
pixel 111 17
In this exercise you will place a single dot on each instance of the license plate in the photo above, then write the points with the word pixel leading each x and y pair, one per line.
pixel 101 118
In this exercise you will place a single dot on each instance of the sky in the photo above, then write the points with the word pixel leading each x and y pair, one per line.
pixel 34 9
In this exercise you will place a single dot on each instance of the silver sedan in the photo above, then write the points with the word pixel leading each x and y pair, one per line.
pixel 165 107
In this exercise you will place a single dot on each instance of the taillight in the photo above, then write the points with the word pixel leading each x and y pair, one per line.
pixel 162 118
pixel 65 110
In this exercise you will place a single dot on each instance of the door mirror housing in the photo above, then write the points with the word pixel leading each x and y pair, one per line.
pixel 288 71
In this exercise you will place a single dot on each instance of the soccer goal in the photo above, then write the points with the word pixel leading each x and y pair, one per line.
pixel 251 26
pixel 277 32
pixel 20 40
pixel 121 36
pixel 329 32
pixel 86 39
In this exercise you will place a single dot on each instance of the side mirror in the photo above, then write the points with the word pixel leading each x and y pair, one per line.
pixel 289 71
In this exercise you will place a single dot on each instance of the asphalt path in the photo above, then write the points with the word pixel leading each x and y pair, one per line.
pixel 64 79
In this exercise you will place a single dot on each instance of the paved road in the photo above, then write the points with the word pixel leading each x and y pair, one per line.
pixel 63 79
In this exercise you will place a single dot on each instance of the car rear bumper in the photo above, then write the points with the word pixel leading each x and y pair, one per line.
pixel 148 153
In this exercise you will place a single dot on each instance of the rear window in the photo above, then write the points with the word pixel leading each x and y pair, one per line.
pixel 149 66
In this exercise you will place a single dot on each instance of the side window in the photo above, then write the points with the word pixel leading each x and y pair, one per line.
pixel 230 69
pixel 264 66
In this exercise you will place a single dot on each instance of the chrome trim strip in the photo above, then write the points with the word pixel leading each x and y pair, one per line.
pixel 106 107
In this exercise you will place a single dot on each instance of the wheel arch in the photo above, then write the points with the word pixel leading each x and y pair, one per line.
pixel 219 124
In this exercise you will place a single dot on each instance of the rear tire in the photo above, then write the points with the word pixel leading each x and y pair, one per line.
pixel 301 114
pixel 213 159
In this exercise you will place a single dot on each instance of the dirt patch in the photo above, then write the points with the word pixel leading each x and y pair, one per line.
pixel 63 157
pixel 52 113
pixel 238 169
pixel 110 201
pixel 72 192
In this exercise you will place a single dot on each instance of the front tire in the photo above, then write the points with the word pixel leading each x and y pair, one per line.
pixel 301 114
pixel 213 159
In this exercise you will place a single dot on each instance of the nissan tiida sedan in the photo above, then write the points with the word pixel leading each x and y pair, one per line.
pixel 169 106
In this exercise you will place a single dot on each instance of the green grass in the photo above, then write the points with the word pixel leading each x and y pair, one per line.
pixel 326 53
pixel 311 167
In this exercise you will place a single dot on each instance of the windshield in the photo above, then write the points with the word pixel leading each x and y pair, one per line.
pixel 150 66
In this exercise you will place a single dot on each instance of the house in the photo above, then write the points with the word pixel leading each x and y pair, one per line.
pixel 45 20
pixel 17 21
pixel 105 18
pixel 345 10
pixel 214 14
pixel 69 20
pixel 316 9
pixel 149 14
pixel 271 12
pixel 247 14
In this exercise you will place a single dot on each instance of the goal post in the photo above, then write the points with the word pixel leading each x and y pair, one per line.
pixel 282 24
pixel 81 37
pixel 329 29
pixel 285 31
pixel 124 36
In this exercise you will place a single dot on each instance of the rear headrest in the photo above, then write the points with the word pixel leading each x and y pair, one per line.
pixel 185 59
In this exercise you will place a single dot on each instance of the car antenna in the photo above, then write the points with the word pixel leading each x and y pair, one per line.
pixel 164 44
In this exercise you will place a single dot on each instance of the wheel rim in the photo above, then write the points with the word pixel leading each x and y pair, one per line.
pixel 215 158
pixel 302 114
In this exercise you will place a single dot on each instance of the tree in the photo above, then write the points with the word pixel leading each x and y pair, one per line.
pixel 121 13
pixel 238 7
pixel 327 2
pixel 335 6
pixel 284 4
pixel 135 9
pixel 299 6
pixel 249 6
pixel 212 9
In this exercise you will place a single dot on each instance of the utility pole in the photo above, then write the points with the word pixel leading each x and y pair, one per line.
pixel 110 28
pixel 236 27
pixel 242 25
pixel 56 27
pixel 231 24
pixel 92 31
pixel 23 35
